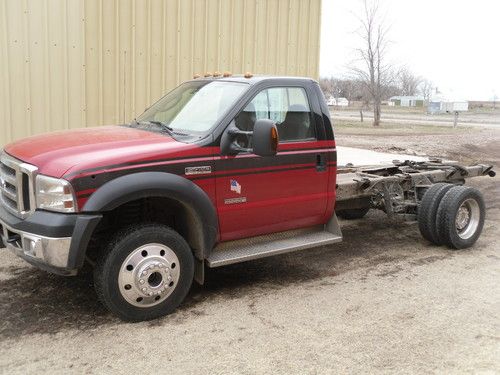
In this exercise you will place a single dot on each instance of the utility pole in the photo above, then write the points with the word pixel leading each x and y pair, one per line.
pixel 455 120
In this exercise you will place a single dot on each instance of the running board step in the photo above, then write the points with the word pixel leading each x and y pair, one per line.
pixel 271 244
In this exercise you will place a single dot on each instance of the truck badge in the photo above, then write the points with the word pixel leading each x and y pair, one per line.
pixel 197 170
pixel 235 200
pixel 235 186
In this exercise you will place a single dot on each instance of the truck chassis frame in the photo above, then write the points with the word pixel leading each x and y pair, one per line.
pixel 398 189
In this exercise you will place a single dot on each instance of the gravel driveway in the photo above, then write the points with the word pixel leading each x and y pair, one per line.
pixel 384 300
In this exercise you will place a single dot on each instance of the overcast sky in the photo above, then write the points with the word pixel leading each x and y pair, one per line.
pixel 454 43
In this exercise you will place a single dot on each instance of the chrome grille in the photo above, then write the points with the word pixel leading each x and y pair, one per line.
pixel 16 185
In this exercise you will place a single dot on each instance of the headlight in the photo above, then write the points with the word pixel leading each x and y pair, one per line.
pixel 54 194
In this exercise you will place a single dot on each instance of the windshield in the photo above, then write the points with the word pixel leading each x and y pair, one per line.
pixel 194 107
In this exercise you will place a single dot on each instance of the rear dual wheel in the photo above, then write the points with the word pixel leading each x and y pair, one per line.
pixel 460 217
pixel 451 215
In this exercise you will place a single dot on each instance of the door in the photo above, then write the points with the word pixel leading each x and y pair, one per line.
pixel 258 195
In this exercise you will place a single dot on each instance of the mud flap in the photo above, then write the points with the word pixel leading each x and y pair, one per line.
pixel 199 271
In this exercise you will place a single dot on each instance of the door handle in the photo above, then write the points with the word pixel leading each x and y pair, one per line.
pixel 320 163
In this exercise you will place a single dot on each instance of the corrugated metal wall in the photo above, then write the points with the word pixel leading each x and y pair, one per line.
pixel 73 63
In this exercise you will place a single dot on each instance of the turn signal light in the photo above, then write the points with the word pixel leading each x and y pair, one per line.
pixel 274 138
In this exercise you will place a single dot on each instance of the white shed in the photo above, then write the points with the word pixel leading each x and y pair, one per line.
pixel 442 104
pixel 339 102
pixel 408 101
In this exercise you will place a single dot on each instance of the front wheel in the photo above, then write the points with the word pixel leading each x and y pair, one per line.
pixel 144 273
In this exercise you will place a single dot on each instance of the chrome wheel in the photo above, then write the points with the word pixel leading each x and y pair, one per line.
pixel 467 218
pixel 149 275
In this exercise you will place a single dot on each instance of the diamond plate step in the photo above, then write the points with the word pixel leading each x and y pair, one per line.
pixel 271 244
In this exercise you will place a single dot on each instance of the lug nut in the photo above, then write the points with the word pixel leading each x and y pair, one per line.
pixel 141 281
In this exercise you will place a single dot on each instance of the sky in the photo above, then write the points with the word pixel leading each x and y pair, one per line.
pixel 453 43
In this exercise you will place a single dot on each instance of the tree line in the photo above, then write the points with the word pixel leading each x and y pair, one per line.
pixel 402 83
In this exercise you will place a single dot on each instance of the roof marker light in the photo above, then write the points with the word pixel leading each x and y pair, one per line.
pixel 227 74
pixel 248 75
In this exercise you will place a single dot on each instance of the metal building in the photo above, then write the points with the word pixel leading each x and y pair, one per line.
pixel 72 63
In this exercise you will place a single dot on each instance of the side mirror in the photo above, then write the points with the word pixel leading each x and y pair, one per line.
pixel 264 139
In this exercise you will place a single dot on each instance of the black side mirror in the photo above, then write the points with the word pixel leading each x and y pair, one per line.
pixel 264 139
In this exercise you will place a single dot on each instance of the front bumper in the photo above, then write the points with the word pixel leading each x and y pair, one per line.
pixel 54 242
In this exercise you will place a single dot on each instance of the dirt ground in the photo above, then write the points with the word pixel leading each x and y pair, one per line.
pixel 478 117
pixel 382 301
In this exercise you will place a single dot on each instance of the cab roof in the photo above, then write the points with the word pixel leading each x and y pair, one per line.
pixel 254 79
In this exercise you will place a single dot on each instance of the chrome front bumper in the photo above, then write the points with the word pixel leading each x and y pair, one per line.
pixel 35 248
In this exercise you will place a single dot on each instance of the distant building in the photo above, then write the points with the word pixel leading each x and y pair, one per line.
pixel 442 104
pixel 407 101
pixel 338 102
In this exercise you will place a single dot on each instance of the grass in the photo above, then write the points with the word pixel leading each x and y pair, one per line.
pixel 392 128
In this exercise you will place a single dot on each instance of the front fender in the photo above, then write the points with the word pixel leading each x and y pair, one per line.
pixel 160 184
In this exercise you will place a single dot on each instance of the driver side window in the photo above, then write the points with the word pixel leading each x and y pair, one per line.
pixel 288 107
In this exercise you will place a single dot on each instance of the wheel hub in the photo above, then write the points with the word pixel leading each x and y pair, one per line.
pixel 463 217
pixel 467 218
pixel 153 277
pixel 149 275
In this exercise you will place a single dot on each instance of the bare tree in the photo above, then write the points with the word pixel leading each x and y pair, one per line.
pixel 426 89
pixel 408 82
pixel 372 68
pixel 326 85
pixel 353 89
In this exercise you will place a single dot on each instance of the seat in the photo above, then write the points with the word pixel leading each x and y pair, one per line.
pixel 246 121
pixel 296 124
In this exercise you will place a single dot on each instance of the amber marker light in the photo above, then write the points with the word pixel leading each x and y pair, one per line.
pixel 248 75
pixel 208 74
pixel 196 76
pixel 227 74
pixel 274 138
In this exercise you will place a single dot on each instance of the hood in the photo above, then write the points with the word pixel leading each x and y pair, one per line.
pixel 60 153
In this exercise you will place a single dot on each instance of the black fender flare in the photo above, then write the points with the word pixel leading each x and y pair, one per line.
pixel 139 185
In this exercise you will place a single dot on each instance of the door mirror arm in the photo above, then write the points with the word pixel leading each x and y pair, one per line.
pixel 229 145
pixel 265 139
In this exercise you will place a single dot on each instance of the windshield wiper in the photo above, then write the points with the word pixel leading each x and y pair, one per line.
pixel 163 126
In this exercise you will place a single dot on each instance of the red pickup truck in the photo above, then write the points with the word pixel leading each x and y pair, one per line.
pixel 220 170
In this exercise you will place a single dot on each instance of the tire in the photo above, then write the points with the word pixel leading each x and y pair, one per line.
pixel 144 273
pixel 428 210
pixel 353 213
pixel 460 217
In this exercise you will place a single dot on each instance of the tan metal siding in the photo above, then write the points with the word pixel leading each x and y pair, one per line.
pixel 72 63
